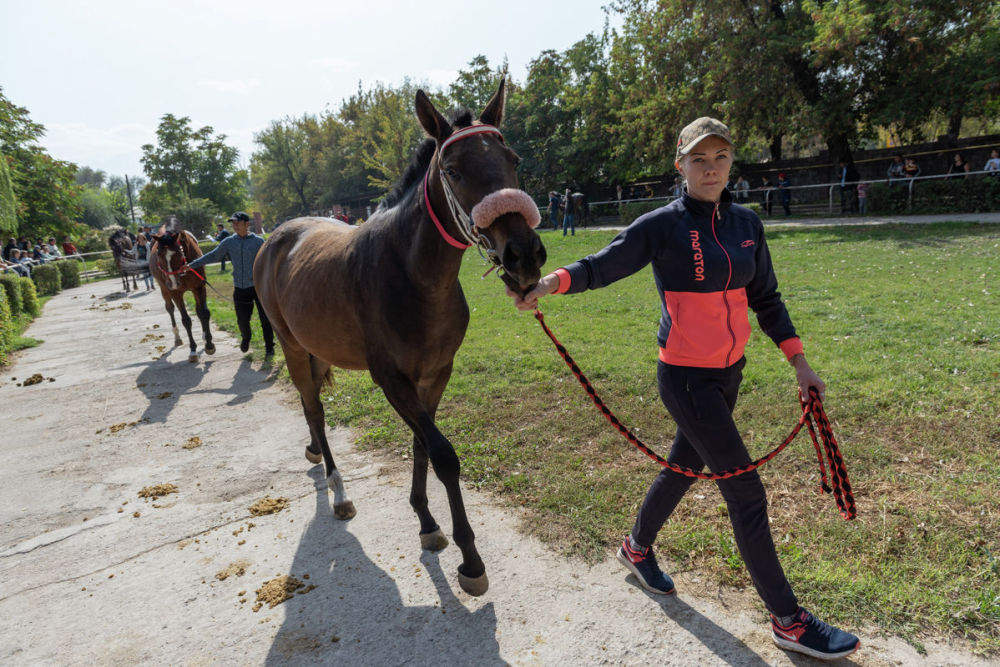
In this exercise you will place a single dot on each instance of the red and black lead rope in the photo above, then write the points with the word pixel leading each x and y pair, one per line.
pixel 813 417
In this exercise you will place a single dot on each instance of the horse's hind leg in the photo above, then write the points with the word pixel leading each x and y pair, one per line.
pixel 168 303
pixel 308 374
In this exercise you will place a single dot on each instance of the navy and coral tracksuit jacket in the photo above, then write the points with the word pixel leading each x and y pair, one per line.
pixel 710 263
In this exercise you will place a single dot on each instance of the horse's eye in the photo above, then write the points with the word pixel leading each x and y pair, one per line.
pixel 451 173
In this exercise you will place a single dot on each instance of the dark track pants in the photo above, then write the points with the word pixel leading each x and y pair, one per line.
pixel 701 401
pixel 243 301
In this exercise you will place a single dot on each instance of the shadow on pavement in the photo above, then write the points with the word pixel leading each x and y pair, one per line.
pixel 356 614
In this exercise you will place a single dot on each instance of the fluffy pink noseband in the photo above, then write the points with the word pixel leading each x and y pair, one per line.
pixel 502 202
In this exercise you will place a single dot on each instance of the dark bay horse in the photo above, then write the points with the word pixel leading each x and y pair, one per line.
pixel 122 244
pixel 385 296
pixel 172 248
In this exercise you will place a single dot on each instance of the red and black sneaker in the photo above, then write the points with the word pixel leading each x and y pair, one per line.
pixel 643 565
pixel 809 635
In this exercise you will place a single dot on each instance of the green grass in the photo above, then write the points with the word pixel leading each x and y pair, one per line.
pixel 903 324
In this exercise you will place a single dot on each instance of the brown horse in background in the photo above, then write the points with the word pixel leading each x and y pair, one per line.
pixel 385 296
pixel 172 248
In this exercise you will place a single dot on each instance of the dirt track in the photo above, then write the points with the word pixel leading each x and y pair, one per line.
pixel 85 580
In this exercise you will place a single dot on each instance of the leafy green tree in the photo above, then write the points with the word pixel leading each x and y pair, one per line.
pixel 92 177
pixel 474 87
pixel 43 188
pixel 187 164
pixel 96 209
pixel 8 200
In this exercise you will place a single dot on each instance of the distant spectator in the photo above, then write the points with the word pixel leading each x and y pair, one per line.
pixel 767 194
pixel 862 198
pixel 23 243
pixel 15 267
pixel 911 169
pixel 52 249
pixel 848 175
pixel 220 233
pixel 959 168
pixel 142 254
pixel 677 191
pixel 147 231
pixel 555 202
pixel 569 215
pixel 896 169
pixel 11 245
pixel 69 249
pixel 40 256
pixel 21 258
pixel 618 192
pixel 993 164
pixel 742 189
pixel 786 194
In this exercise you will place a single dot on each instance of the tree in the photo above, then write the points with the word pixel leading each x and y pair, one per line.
pixel 96 209
pixel 473 88
pixel 774 68
pixel 188 164
pixel 8 200
pixel 44 191
pixel 92 177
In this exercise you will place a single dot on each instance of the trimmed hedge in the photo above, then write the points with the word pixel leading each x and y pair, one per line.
pixel 29 297
pixel 12 289
pixel 69 272
pixel 47 279
pixel 6 327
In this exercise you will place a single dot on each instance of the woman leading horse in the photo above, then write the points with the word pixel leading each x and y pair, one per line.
pixel 385 296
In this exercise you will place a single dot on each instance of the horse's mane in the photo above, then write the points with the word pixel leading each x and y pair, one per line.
pixel 414 172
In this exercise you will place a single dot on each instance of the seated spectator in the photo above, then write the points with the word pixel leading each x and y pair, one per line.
pixel 20 258
pixel 40 256
pixel 14 267
pixel 896 169
pixel 11 245
pixel 958 168
pixel 993 164
pixel 51 248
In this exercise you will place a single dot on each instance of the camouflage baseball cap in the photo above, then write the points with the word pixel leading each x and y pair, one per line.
pixel 698 130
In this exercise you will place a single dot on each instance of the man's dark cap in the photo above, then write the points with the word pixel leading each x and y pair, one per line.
pixel 239 215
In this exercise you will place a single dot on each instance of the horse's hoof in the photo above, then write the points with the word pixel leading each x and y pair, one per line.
pixel 344 511
pixel 314 458
pixel 193 358
pixel 209 349
pixel 474 586
pixel 435 541
pixel 178 342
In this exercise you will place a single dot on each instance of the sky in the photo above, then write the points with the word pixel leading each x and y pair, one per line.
pixel 99 74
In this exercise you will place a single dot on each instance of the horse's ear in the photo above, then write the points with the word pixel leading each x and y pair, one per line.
pixel 493 113
pixel 431 120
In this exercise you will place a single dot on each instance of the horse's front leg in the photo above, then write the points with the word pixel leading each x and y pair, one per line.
pixel 201 309
pixel 402 394
pixel 178 298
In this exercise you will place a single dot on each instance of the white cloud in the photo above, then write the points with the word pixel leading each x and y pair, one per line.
pixel 238 86
pixel 114 150
pixel 337 64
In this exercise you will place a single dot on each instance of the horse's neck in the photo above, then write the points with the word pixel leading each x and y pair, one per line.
pixel 430 260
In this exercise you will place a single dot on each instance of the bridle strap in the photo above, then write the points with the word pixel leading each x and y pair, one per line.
pixel 437 222
pixel 465 223
pixel 183 267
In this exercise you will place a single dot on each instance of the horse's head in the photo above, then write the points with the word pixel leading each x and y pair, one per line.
pixel 473 177
pixel 120 241
pixel 168 252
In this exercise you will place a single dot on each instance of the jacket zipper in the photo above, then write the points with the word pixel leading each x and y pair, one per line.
pixel 729 278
